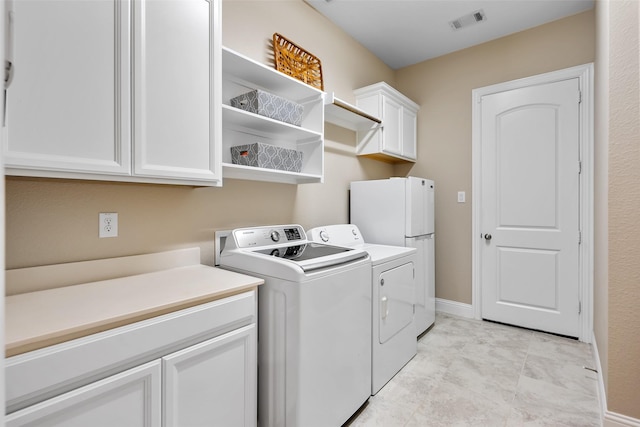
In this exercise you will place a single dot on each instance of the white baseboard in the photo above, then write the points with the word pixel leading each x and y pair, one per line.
pixel 609 419
pixel 454 307
pixel 602 396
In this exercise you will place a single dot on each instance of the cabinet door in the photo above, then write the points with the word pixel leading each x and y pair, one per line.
pixel 392 137
pixel 177 89
pixel 68 102
pixel 409 125
pixel 213 383
pixel 131 398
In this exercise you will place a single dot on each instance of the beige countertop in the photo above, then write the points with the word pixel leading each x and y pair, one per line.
pixel 38 319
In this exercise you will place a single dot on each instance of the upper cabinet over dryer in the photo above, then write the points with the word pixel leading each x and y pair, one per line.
pixel 395 140
pixel 116 90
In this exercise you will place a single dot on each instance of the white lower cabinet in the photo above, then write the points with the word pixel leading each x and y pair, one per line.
pixel 212 383
pixel 131 398
pixel 195 368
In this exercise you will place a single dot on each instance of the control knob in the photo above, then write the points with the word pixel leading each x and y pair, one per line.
pixel 275 236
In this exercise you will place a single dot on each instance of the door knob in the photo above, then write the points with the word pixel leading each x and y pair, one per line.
pixel 487 236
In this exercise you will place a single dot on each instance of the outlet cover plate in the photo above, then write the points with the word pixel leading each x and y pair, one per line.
pixel 108 223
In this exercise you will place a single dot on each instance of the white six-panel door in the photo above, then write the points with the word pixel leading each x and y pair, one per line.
pixel 530 207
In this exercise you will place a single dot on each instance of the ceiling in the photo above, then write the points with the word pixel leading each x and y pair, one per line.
pixel 405 32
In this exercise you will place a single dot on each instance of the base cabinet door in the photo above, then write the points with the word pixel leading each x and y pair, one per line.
pixel 131 398
pixel 213 383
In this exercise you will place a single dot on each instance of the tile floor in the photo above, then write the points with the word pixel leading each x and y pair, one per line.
pixel 474 373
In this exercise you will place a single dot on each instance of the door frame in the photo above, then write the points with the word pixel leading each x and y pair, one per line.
pixel 584 74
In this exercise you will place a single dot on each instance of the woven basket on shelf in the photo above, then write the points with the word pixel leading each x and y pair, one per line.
pixel 296 62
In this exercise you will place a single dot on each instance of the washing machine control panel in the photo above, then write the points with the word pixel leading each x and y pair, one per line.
pixel 268 236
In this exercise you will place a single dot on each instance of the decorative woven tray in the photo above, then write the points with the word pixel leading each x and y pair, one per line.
pixel 296 62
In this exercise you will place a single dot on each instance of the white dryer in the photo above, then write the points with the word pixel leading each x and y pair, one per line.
pixel 393 299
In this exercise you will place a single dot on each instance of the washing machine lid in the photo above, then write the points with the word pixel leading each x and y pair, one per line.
pixel 313 256
pixel 270 249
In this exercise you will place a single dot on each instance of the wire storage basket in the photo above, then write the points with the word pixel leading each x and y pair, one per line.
pixel 296 62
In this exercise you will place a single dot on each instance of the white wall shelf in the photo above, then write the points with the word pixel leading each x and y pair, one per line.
pixel 262 174
pixel 241 74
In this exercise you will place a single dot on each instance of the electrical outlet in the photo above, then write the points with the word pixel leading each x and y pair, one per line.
pixel 108 223
pixel 461 197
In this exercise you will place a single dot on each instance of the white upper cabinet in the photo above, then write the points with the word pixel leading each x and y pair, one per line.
pixel 175 83
pixel 395 140
pixel 68 101
pixel 115 90
pixel 240 127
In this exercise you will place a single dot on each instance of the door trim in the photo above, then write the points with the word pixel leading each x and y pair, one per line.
pixel 584 74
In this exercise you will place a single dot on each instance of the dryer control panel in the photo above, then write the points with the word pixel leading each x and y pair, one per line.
pixel 338 234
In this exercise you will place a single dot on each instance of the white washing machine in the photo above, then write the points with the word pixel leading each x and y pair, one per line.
pixel 393 287
pixel 314 324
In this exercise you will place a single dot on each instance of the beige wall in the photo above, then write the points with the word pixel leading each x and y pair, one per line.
pixel 442 86
pixel 624 209
pixel 601 179
pixel 56 221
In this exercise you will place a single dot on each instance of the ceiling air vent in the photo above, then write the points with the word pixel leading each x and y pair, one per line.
pixel 467 20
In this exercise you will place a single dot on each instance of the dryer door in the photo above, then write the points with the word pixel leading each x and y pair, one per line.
pixel 396 291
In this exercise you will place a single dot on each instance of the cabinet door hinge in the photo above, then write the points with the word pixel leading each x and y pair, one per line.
pixel 579 307
pixel 579 167
pixel 579 97
pixel 579 237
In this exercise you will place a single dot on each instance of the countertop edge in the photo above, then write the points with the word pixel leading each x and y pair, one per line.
pixel 219 290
